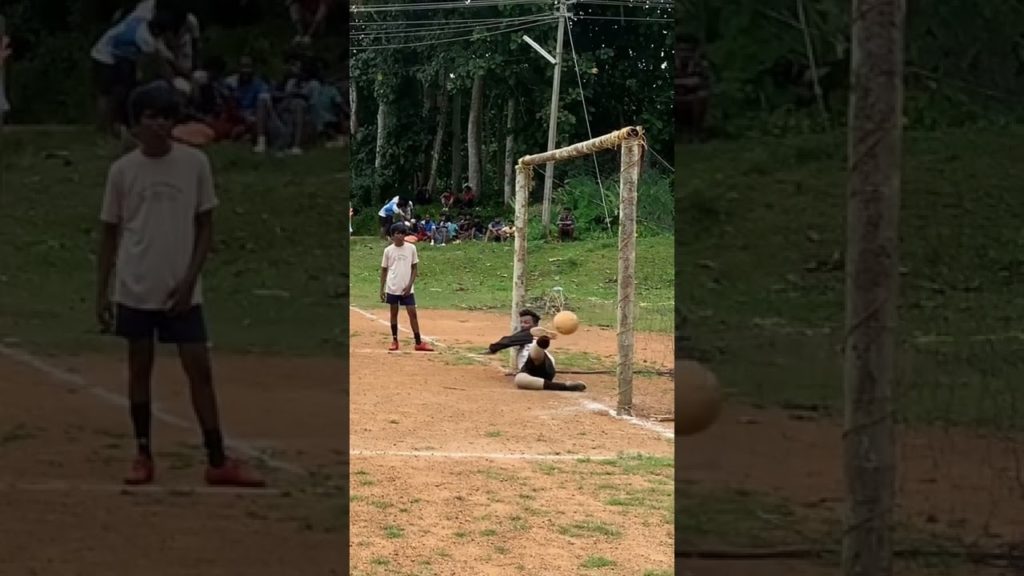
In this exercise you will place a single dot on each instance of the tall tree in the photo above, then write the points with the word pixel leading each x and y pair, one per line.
pixel 456 141
pixel 872 283
pixel 473 132
pixel 442 117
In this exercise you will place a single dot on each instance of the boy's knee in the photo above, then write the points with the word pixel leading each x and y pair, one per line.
pixel 526 382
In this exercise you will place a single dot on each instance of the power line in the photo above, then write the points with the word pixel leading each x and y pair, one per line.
pixel 445 29
pixel 446 20
pixel 446 40
pixel 655 5
pixel 625 18
pixel 444 5
pixel 586 119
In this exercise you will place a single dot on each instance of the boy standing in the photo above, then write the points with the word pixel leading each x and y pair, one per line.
pixel 398 270
pixel 157 228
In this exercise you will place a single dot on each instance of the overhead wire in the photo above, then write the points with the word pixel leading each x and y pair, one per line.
pixel 497 23
pixel 444 5
pixel 460 38
pixel 586 119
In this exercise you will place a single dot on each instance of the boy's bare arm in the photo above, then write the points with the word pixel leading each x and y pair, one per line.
pixel 104 270
pixel 412 279
pixel 383 280
pixel 203 243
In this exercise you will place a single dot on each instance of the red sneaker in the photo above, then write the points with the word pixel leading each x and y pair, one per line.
pixel 233 473
pixel 394 346
pixel 142 472
pixel 424 347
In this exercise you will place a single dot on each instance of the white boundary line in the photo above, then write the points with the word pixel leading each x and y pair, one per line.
pixel 479 455
pixel 430 339
pixel 590 405
pixel 76 382
pixel 155 489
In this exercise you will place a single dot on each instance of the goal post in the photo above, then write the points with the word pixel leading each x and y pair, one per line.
pixel 630 140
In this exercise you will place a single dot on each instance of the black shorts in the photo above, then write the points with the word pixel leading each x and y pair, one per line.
pixel 400 300
pixel 545 370
pixel 116 82
pixel 134 325
pixel 385 223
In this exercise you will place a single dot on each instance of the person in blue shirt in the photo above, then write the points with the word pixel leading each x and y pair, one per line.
pixel 117 54
pixel 396 207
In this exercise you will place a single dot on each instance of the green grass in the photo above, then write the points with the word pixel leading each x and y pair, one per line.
pixel 478 276
pixel 593 562
pixel 760 222
pixel 274 283
pixel 589 529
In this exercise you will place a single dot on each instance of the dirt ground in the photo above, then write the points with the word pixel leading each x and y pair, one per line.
pixel 455 471
pixel 951 482
pixel 65 443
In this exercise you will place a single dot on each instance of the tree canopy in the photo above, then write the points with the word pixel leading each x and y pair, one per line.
pixel 423 66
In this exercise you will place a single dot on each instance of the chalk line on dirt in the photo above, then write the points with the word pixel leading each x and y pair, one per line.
pixel 430 339
pixel 132 490
pixel 76 382
pixel 590 405
pixel 479 455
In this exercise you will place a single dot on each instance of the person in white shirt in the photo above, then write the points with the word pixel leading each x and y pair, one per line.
pixel 398 271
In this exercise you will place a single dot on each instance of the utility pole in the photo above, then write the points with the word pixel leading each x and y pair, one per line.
pixel 549 168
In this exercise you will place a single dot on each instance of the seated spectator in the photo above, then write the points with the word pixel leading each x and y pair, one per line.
pixel 468 197
pixel 447 199
pixel 440 236
pixel 566 225
pixel 326 105
pixel 453 231
pixel 496 230
pixel 477 228
pixel 429 226
pixel 243 91
pixel 282 118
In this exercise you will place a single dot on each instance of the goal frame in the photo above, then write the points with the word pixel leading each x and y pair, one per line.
pixel 631 141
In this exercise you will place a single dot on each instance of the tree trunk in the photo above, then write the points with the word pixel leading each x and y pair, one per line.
pixel 378 164
pixel 456 183
pixel 426 148
pixel 510 160
pixel 872 284
pixel 353 102
pixel 473 133
pixel 435 157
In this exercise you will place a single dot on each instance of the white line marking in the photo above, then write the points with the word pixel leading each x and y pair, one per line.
pixel 589 405
pixel 151 489
pixel 663 431
pixel 76 382
pixel 430 339
pixel 479 456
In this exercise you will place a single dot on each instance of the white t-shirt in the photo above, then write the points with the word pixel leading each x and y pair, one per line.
pixel 524 354
pixel 399 260
pixel 155 202
pixel 129 39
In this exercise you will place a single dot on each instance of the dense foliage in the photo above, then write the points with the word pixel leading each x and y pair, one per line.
pixel 421 66
pixel 965 62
